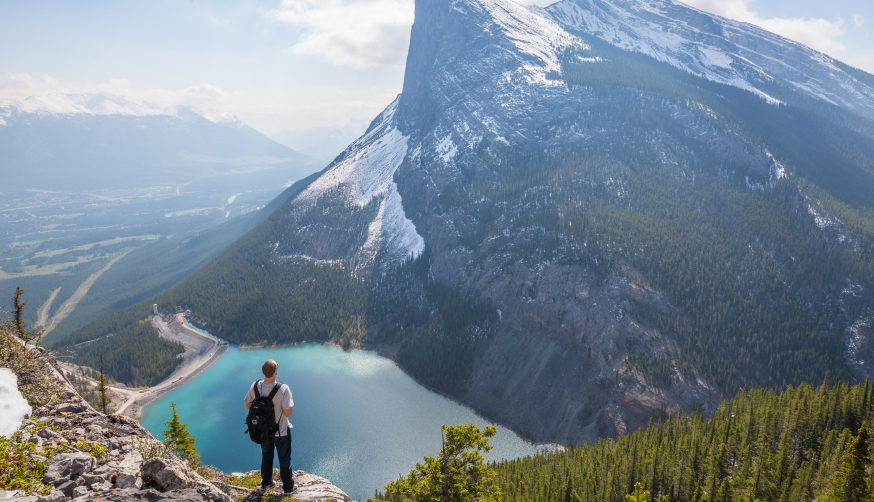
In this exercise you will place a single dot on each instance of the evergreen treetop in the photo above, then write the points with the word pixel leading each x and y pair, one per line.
pixel 178 439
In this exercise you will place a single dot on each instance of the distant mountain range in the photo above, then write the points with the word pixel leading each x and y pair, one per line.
pixel 97 141
pixel 578 218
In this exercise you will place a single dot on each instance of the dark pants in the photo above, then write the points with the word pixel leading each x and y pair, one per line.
pixel 283 450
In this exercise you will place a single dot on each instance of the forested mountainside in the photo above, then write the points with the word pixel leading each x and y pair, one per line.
pixel 756 446
pixel 547 215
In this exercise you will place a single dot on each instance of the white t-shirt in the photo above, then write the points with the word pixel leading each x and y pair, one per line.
pixel 281 402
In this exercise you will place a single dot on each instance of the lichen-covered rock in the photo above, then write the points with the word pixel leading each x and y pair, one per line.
pixel 128 471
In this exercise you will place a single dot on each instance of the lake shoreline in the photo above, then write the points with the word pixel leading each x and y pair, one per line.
pixel 202 351
pixel 359 420
pixel 381 351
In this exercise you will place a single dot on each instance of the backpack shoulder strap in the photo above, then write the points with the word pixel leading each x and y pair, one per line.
pixel 275 390
pixel 255 387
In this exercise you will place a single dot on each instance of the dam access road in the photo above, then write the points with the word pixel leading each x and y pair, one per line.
pixel 201 351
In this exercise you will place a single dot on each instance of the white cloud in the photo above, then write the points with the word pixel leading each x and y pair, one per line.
pixel 206 99
pixel 858 20
pixel 306 107
pixel 819 34
pixel 358 33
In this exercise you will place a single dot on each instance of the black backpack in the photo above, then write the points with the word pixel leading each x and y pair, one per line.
pixel 261 419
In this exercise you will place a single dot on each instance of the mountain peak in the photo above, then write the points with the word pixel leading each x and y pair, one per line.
pixel 501 31
pixel 718 49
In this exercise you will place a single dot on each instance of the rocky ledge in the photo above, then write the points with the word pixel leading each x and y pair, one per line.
pixel 95 457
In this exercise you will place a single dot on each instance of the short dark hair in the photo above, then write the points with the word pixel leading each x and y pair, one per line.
pixel 269 368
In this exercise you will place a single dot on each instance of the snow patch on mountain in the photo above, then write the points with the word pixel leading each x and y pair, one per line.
pixel 534 35
pixel 366 171
pixel 719 49
pixel 623 29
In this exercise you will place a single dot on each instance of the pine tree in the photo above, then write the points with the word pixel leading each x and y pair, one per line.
pixel 850 483
pixel 456 475
pixel 101 387
pixel 178 439
pixel 639 495
pixel 18 318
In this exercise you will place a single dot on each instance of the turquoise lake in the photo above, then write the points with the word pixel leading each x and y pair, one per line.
pixel 358 420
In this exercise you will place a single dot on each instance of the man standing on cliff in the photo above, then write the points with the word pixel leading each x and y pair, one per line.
pixel 283 405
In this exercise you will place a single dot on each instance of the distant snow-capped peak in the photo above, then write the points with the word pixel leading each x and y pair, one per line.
pixel 104 104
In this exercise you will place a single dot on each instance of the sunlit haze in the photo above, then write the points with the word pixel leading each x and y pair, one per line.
pixel 292 65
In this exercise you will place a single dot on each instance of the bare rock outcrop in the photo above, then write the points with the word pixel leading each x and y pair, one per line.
pixel 113 458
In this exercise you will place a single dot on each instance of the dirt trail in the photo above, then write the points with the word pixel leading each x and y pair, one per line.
pixel 201 351
pixel 77 296
pixel 44 310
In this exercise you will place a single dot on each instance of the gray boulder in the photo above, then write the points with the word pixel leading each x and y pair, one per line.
pixel 71 408
pixel 68 465
pixel 312 488
pixel 80 491
pixel 67 488
pixel 106 471
pixel 92 479
pixel 152 495
pixel 167 474
pixel 35 440
pixel 128 471
pixel 55 496
pixel 48 434
pixel 101 487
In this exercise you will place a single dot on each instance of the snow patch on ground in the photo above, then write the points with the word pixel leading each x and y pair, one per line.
pixel 13 406
pixel 232 198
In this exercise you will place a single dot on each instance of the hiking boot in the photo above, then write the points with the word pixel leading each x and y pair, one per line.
pixel 290 491
pixel 264 488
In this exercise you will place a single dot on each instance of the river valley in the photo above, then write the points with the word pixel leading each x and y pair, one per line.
pixel 358 420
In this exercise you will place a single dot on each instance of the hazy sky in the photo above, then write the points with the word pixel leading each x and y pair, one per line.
pixel 292 64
